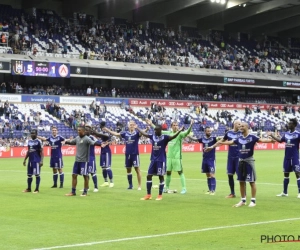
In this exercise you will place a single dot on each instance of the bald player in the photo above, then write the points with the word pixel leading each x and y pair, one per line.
pixel 233 155
pixel 246 169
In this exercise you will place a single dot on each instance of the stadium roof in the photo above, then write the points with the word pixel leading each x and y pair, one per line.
pixel 269 17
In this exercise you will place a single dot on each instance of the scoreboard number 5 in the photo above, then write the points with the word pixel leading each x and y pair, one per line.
pixel 29 68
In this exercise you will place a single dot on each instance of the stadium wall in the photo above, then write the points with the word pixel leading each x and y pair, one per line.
pixel 133 102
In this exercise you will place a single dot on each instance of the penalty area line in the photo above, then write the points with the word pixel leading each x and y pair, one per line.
pixel 166 234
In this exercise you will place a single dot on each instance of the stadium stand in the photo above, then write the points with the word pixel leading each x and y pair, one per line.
pixel 49 35
pixel 23 117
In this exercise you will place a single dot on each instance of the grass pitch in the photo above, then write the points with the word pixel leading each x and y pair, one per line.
pixel 115 218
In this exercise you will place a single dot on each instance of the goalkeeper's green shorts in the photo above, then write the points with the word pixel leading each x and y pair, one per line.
pixel 174 164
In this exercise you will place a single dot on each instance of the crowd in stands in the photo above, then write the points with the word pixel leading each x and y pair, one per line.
pixel 17 126
pixel 206 94
pixel 46 32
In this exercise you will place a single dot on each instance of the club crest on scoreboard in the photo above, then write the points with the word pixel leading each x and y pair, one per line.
pixel 18 67
pixel 63 70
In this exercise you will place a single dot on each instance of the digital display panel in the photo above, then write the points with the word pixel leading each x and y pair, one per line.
pixel 34 68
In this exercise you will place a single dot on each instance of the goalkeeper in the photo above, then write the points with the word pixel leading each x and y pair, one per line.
pixel 174 155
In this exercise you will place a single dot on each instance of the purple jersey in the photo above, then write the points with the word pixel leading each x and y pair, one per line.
pixel 233 150
pixel 159 144
pixel 55 144
pixel 34 148
pixel 131 141
pixel 246 145
pixel 92 147
pixel 292 141
pixel 106 149
pixel 207 142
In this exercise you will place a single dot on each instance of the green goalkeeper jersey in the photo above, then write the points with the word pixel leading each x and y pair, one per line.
pixel 175 146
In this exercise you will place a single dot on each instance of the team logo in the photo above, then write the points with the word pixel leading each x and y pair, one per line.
pixel 206 145
pixel 129 138
pixel 63 70
pixel 288 141
pixel 1 66
pixel 78 71
pixel 243 146
pixel 155 143
pixel 18 67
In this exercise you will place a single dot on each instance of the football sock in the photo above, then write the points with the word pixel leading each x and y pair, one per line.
pixel 29 181
pixel 182 180
pixel 244 200
pixel 104 173
pixel 161 187
pixel 110 174
pixel 213 184
pixel 253 200
pixel 298 184
pixel 231 183
pixel 286 182
pixel 61 177
pixel 209 183
pixel 129 178
pixel 149 186
pixel 168 180
pixel 95 180
pixel 38 180
pixel 74 190
pixel 55 178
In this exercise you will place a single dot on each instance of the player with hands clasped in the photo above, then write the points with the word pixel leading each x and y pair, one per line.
pixel 209 159
pixel 158 158
pixel 36 155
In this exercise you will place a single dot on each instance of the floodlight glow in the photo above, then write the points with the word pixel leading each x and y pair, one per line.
pixel 212 1
pixel 217 1
pixel 223 1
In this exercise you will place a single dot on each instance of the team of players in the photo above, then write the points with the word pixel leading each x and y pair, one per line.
pixel 240 157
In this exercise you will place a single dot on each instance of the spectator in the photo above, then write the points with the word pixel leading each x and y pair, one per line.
pixel 3 87
pixel 89 91
pixel 113 92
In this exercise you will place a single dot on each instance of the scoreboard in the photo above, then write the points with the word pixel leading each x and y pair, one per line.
pixel 35 68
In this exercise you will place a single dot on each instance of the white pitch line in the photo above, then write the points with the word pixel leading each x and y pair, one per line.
pixel 202 180
pixel 166 234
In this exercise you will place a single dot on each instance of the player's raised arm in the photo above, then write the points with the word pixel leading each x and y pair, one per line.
pixel 70 142
pixel 224 142
pixel 274 138
pixel 188 131
pixel 112 132
pixel 267 140
pixel 142 132
pixel 193 138
pixel 149 122
pixel 220 141
pixel 146 129
pixel 174 136
pixel 42 138
pixel 100 135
